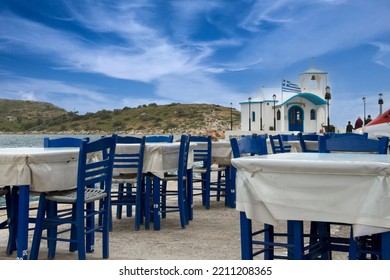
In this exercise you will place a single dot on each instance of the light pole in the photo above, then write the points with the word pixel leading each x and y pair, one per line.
pixel 380 102
pixel 231 116
pixel 261 115
pixel 364 109
pixel 328 96
pixel 274 98
pixel 249 101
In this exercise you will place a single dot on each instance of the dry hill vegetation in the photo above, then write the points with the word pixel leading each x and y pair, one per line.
pixel 39 117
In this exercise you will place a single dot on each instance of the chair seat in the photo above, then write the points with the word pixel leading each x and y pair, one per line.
pixel 199 170
pixel 70 196
pixel 124 178
pixel 172 177
pixel 218 168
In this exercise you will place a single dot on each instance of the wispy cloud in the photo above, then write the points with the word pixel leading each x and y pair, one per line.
pixel 382 57
pixel 303 35
pixel 58 92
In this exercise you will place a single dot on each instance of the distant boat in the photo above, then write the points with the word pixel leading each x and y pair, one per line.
pixel 380 126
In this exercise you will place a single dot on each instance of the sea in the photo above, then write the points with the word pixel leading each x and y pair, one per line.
pixel 32 140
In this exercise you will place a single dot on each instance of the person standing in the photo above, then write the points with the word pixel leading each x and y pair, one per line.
pixel 358 123
pixel 368 119
pixel 349 127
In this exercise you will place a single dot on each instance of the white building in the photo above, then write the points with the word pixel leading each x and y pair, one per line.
pixel 306 111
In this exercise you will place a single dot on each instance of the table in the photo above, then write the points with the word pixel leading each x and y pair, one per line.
pixel 221 152
pixel 36 170
pixel 345 188
pixel 296 145
pixel 158 159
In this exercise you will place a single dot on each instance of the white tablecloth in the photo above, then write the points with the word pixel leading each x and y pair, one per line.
pixel 348 188
pixel 44 169
pixel 158 157
pixel 296 145
pixel 221 152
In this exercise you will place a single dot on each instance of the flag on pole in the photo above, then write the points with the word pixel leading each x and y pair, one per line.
pixel 290 87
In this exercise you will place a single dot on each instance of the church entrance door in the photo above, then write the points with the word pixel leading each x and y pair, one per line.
pixel 295 119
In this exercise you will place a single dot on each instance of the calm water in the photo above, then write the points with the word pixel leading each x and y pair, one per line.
pixel 33 140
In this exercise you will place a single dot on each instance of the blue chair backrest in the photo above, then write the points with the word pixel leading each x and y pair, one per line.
pixel 277 144
pixel 353 144
pixel 97 171
pixel 130 160
pixel 249 145
pixel 289 137
pixel 159 138
pixel 202 155
pixel 183 155
pixel 348 134
pixel 63 142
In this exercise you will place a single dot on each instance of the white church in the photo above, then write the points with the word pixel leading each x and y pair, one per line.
pixel 296 108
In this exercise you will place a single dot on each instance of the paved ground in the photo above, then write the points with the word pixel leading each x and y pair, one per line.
pixel 214 234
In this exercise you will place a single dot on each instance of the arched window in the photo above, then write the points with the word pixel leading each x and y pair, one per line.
pixel 312 114
pixel 278 115
pixel 253 116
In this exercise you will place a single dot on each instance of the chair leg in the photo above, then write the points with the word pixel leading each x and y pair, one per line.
pixel 51 210
pixel 232 196
pixel 90 224
pixel 120 198
pixel 105 230
pixel 385 245
pixel 190 194
pixel 219 180
pixel 13 233
pixel 269 238
pixel 148 188
pixel 10 202
pixel 295 230
pixel 246 237
pixel 129 192
pixel 138 207
pixel 163 199
pixel 182 203
pixel 80 233
pixel 156 203
pixel 38 228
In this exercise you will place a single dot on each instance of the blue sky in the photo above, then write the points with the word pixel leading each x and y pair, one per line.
pixel 89 55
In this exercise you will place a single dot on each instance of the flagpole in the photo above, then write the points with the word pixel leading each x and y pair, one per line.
pixel 281 88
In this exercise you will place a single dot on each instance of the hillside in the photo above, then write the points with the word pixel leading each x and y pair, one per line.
pixel 40 117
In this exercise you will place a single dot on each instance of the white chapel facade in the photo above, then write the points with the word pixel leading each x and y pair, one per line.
pixel 305 111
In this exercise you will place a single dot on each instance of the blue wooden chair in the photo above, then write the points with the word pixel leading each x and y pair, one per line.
pixel 128 186
pixel 203 167
pixel 354 143
pixel 93 185
pixel 158 192
pixel 9 222
pixel 277 144
pixel 61 142
pixel 159 138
